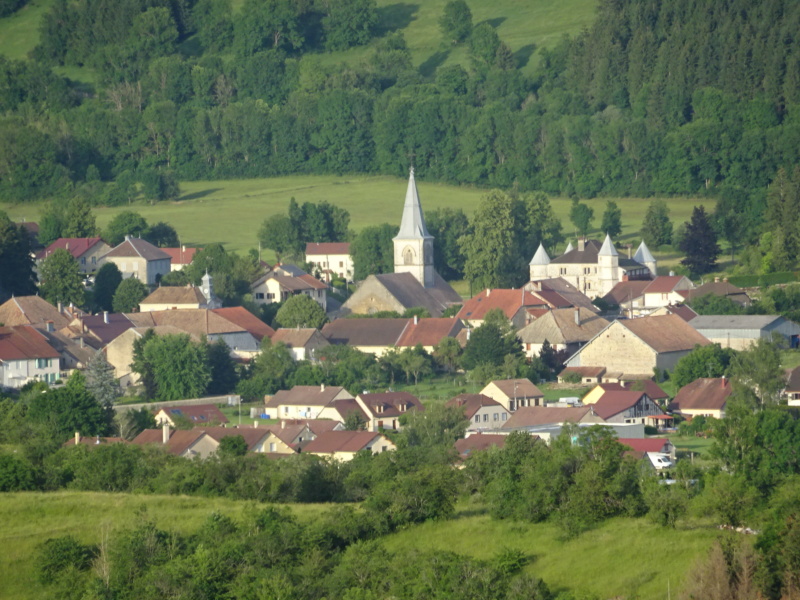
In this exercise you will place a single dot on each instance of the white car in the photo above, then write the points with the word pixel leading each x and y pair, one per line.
pixel 660 461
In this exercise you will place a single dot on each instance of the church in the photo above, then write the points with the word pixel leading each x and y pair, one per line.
pixel 414 282
pixel 592 267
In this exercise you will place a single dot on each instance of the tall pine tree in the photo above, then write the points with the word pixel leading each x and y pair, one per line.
pixel 700 243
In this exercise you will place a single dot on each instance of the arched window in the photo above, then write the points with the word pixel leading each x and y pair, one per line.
pixel 408 256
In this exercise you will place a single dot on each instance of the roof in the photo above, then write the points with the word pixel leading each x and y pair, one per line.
pixel 251 435
pixel 733 321
pixel 532 416
pixel 179 439
pixel 558 326
pixel 663 284
pixel 136 247
pixel 645 444
pixel 294 337
pixel 390 404
pixel 565 289
pixel 23 342
pixel 793 380
pixel 607 249
pixel 77 247
pixel 316 426
pixel 187 294
pixel 341 441
pixel 182 255
pixel 625 291
pixel 365 332
pixel 552 298
pixel 540 257
pixel 412 224
pixel 95 440
pixel 314 248
pixel 31 310
pixel 667 333
pixel 106 332
pixel 478 442
pixel 345 406
pixel 684 311
pixel 314 395
pixel 199 413
pixel 238 315
pixel 577 256
pixel 517 388
pixel 410 293
pixel 719 288
pixel 613 402
pixel 508 301
pixel 197 321
pixel 649 387
pixel 472 403
pixel 430 331
pixel 584 371
pixel 703 394
pixel 643 254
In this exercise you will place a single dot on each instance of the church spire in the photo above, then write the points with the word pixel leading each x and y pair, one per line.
pixel 413 245
pixel 412 226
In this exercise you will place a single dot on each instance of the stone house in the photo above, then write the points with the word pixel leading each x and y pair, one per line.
pixel 330 259
pixel 138 258
pixel 566 329
pixel 398 292
pixel 26 356
pixel 481 411
pixel 373 336
pixel 86 251
pixel 514 394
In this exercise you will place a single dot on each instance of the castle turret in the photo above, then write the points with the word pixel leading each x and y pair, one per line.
pixel 569 248
pixel 608 266
pixel 538 264
pixel 644 257
pixel 413 245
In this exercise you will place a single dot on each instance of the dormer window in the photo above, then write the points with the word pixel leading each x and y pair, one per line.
pixel 403 407
pixel 379 408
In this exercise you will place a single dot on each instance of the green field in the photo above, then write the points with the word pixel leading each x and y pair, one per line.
pixel 232 211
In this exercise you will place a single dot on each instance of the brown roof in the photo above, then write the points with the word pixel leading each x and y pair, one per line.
pixel 23 342
pixel 251 435
pixel 667 333
pixel 584 371
pixel 294 337
pixel 532 416
pixel 645 444
pixel 327 248
pixel 410 293
pixel 345 406
pixel 136 247
pixel 181 256
pixel 365 332
pixel 703 393
pixel 31 310
pixel 106 332
pixel 508 301
pixel 316 426
pixel 390 404
pixel 663 284
pixel 518 388
pixel 720 288
pixel 179 439
pixel 559 327
pixel 312 395
pixel 77 247
pixel 187 294
pixel 649 387
pixel 565 289
pixel 472 403
pixel 341 441
pixel 429 332
pixel 199 321
pixel 199 413
pixel 625 291
pixel 793 380
pixel 613 402
pixel 684 311
pixel 478 442
pixel 244 318
pixel 577 256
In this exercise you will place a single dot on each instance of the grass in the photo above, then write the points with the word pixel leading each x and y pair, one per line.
pixel 31 518
pixel 19 33
pixel 687 444
pixel 625 558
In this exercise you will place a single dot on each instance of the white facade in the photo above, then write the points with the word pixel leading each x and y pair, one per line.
pixel 16 373
pixel 413 245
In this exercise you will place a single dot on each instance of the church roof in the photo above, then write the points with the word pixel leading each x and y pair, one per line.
pixel 643 254
pixel 412 226
pixel 608 248
pixel 541 257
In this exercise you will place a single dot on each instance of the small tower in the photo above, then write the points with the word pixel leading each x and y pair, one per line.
pixel 207 288
pixel 538 264
pixel 569 248
pixel 608 265
pixel 644 257
pixel 413 245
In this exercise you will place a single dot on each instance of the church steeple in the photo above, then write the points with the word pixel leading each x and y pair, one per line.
pixel 413 245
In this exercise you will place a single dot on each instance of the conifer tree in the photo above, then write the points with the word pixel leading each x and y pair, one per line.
pixel 700 243
pixel 100 380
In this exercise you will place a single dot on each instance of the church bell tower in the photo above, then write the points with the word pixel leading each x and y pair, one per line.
pixel 413 245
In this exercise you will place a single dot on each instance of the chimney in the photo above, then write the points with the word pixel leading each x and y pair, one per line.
pixel 725 279
pixel 321 387
pixel 283 424
pixel 83 343
pixel 488 292
pixel 578 317
pixel 672 273
pixel 77 438
pixel 127 237
pixel 629 252
pixel 60 306
pixel 255 424
pixel 164 433
pixel 723 381
pixel 67 246
pixel 105 316
pixel 581 244
pixel 97 440
pixel 416 319
pixel 716 279
pixel 51 326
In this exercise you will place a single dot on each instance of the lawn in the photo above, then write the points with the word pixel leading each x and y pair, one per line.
pixel 625 558
pixel 31 518
pixel 19 33
pixel 685 444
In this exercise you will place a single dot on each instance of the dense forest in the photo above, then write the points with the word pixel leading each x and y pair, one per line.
pixel 684 97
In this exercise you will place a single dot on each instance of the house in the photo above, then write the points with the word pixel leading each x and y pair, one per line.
pixel 528 417
pixel 721 288
pixel 628 406
pixel 86 251
pixel 255 438
pixel 582 374
pixel 684 311
pixel 593 268
pixel 481 411
pixel 628 296
pixel 512 303
pixel 648 386
pixel 343 445
pixel 119 351
pixel 304 401
pixel 514 394
pixel 569 294
pixel 302 343
pixel 180 257
pixel 566 329
pixel 373 336
pixel 284 281
pixel 636 298
pixel 792 390
pixel 182 297
pixel 102 329
pixel 704 396
pixel 428 332
pixel 398 292
pixel 478 442
pixel 339 411
pixel 639 345
pixel 198 414
pixel 35 311
pixel 384 409
pixel 138 258
pixel 742 331
pixel 188 443
pixel 26 356
pixel 238 315
pixel 330 259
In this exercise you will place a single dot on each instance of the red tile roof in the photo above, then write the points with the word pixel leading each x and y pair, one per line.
pixel 429 332
pixel 478 442
pixel 180 440
pixel 181 256
pixel 251 435
pixel 313 248
pixel 23 342
pixel 703 394
pixel 646 444
pixel 77 247
pixel 508 301
pixel 614 402
pixel 663 284
pixel 238 315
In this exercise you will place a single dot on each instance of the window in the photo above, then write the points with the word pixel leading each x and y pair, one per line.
pixel 83 260
pixel 384 448
pixel 286 410
pixel 270 296
pixel 341 264
pixel 503 417
pixel 136 266
pixel 259 296
pixel 42 363
pixel 562 271
pixel 485 418
pixel 94 260
pixel 477 418
pixel 496 417
pixel 272 446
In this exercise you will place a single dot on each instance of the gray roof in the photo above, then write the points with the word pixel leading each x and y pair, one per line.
pixel 733 321
pixel 137 247
pixel 607 248
pixel 412 226
pixel 559 327
pixel 541 257
pixel 643 254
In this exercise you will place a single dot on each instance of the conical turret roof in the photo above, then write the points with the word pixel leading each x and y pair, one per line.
pixel 569 248
pixel 541 257
pixel 412 226
pixel 643 255
pixel 607 249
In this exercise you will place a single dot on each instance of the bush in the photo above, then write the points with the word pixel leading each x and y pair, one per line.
pixel 16 474
pixel 57 555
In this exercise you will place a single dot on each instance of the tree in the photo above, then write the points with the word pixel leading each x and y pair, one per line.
pixel 51 224
pixel 612 219
pixel 79 221
pixel 69 409
pixel 438 425
pixel 159 185
pixel 657 228
pixel 301 311
pixel 543 225
pixel 447 352
pixel 483 45
pixel 106 282
pixel 581 215
pixel 17 276
pixel 711 304
pixel 700 244
pixel 353 421
pixel 456 21
pixel 124 223
pixel 222 369
pixel 704 361
pixel 162 235
pixel 488 345
pixel 348 23
pixel 101 382
pixel 373 251
pixel 447 226
pixel 278 234
pixel 759 369
pixel 61 279
pixel 232 445
pixel 128 295
pixel 178 366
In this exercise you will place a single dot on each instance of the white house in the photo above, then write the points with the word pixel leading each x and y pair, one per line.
pixel 26 356
pixel 331 259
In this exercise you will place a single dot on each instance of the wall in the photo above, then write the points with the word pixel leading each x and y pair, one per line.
pixel 616 349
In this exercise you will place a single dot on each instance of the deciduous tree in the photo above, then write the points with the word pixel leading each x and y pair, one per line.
pixel 128 295
pixel 612 219
pixel 105 286
pixel 301 311
pixel 456 21
pixel 79 221
pixel 61 279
